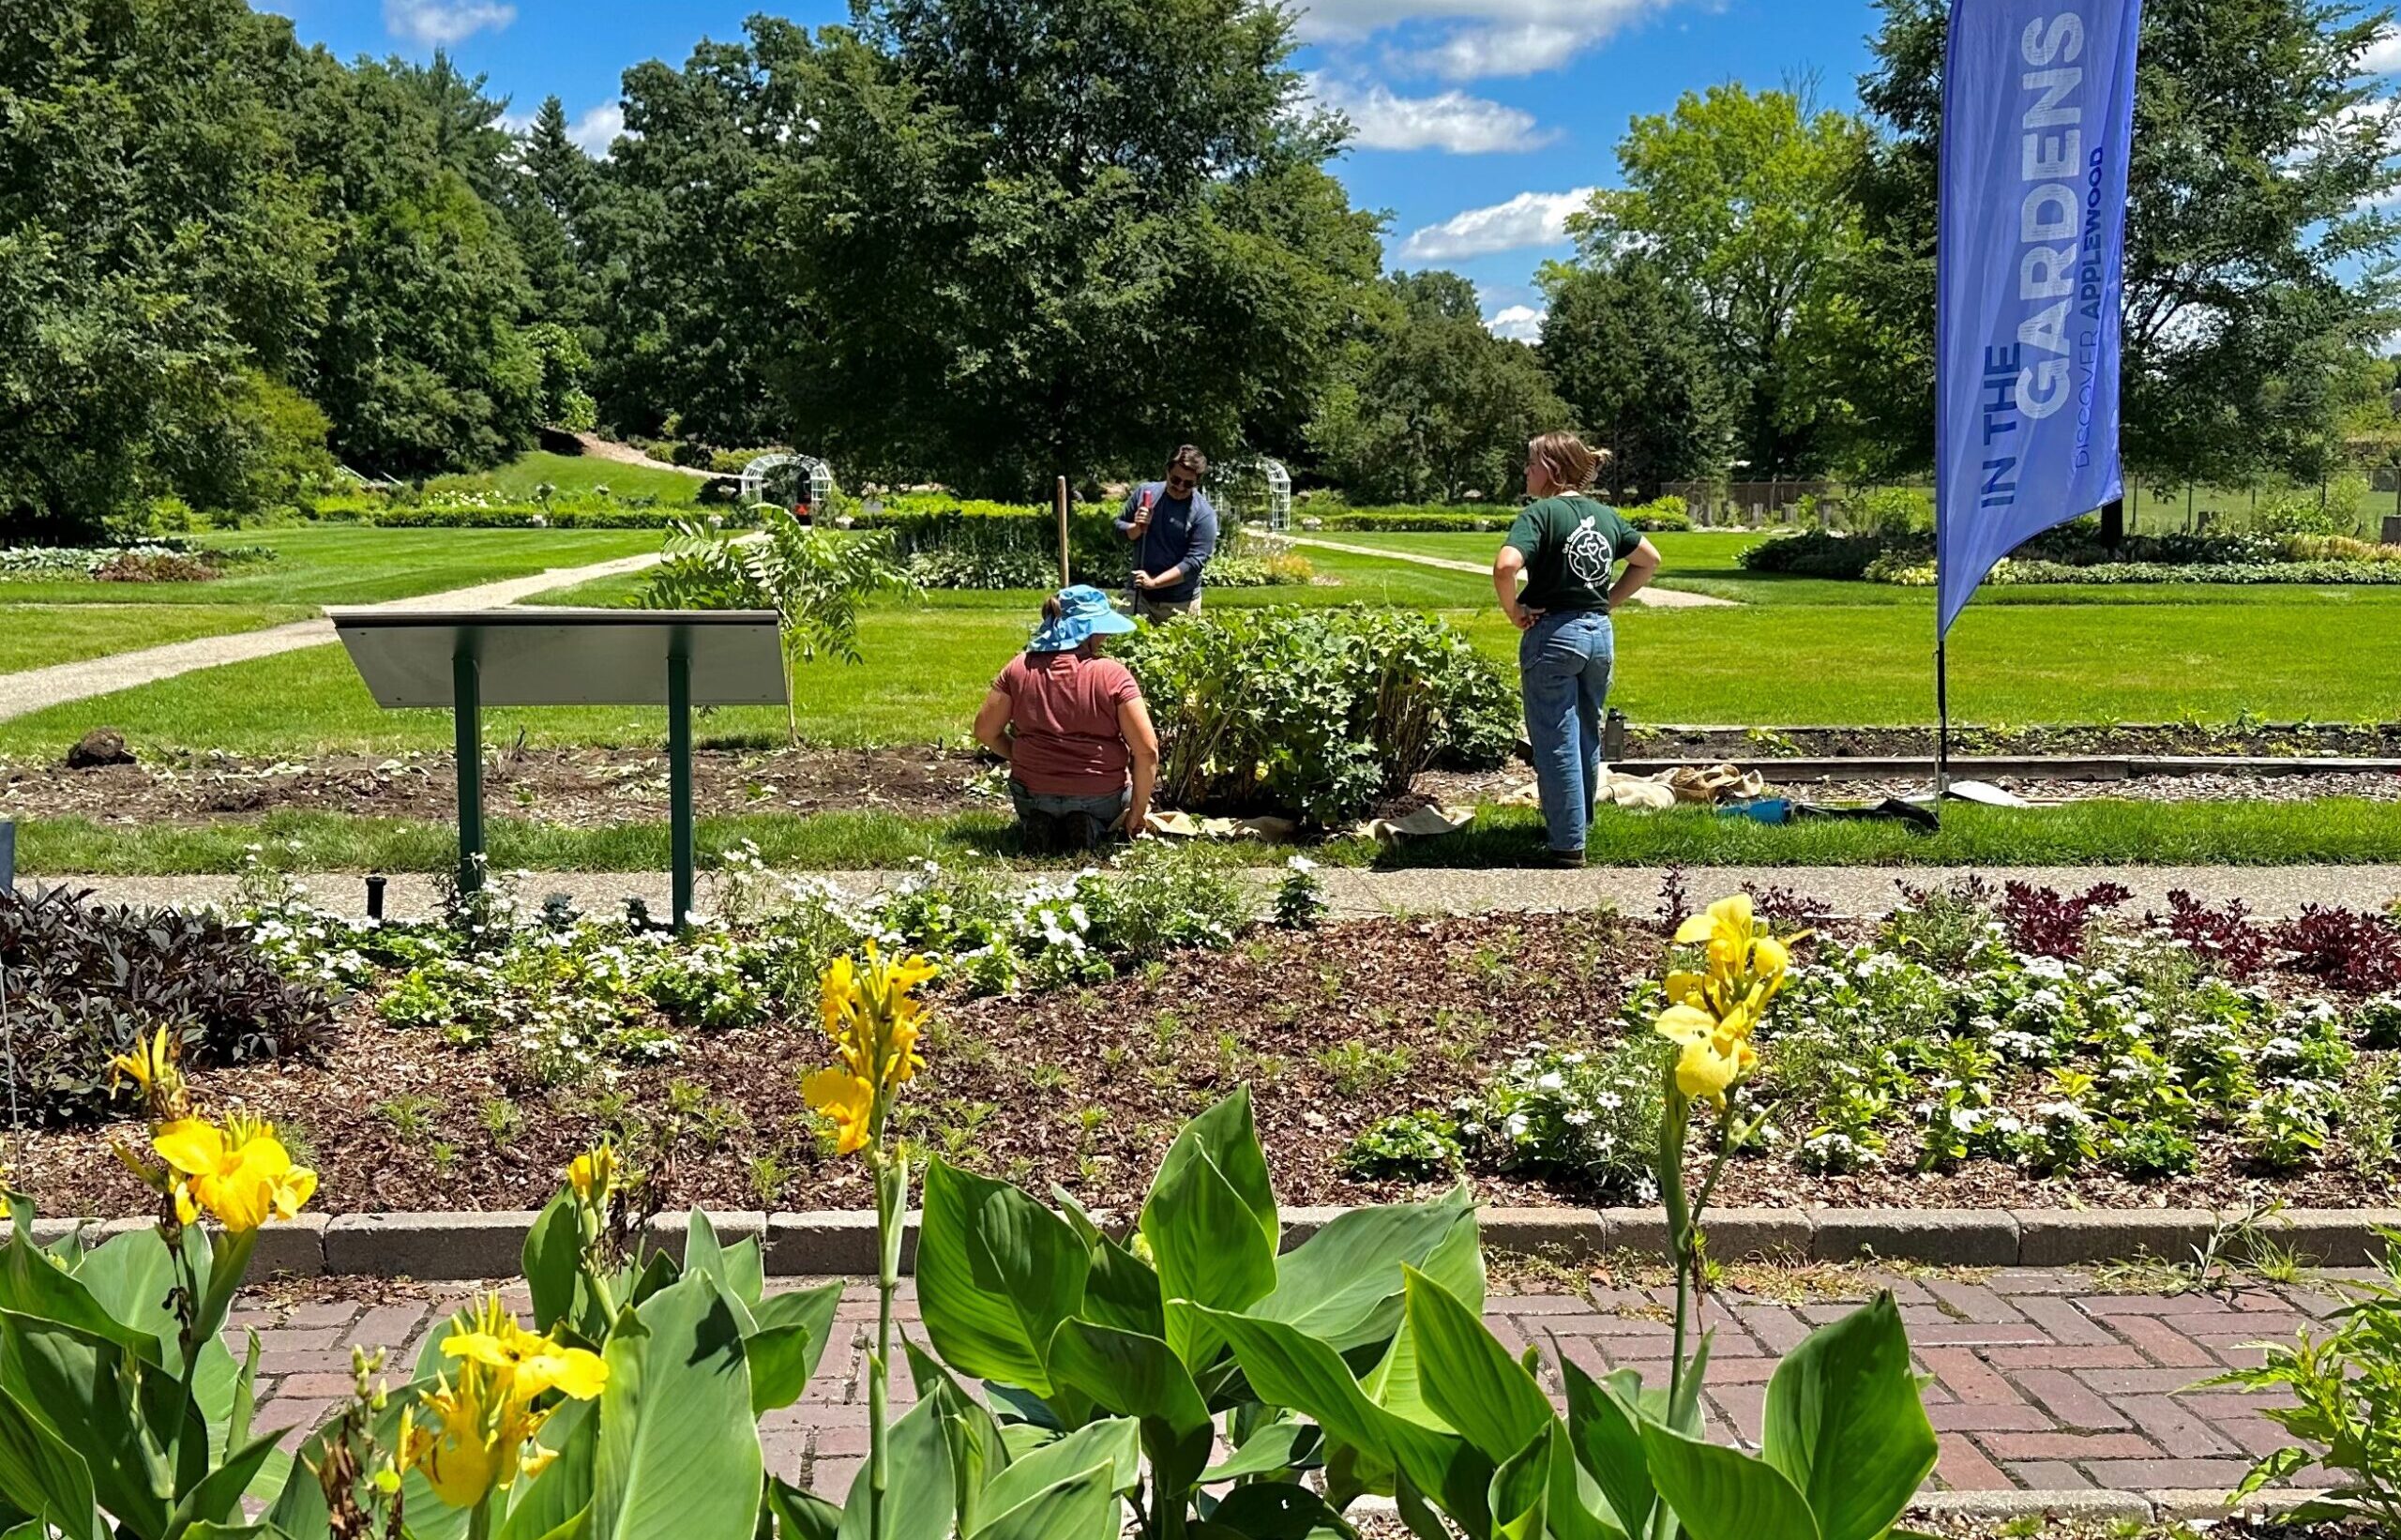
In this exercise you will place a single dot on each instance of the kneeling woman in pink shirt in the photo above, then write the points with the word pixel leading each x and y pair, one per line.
pixel 1081 751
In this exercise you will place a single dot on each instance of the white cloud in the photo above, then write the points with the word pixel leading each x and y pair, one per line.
pixel 599 129
pixel 1453 121
pixel 439 23
pixel 2383 56
pixel 1519 323
pixel 1530 218
pixel 518 124
pixel 1523 47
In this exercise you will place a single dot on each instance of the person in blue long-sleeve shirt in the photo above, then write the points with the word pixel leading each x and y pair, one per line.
pixel 1174 532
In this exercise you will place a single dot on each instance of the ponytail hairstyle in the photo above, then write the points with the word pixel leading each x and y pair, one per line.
pixel 1567 460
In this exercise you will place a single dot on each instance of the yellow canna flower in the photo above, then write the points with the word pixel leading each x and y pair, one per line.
pixel 473 1440
pixel 593 1174
pixel 1770 956
pixel 1710 1066
pixel 1685 1024
pixel 846 1099
pixel 1729 929
pixel 239 1175
pixel 528 1364
pixel 152 1067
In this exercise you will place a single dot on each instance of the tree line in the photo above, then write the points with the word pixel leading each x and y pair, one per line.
pixel 991 241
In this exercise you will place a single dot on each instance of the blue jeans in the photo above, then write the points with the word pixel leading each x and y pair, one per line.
pixel 1563 662
pixel 1053 824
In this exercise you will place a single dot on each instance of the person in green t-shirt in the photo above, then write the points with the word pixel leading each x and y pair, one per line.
pixel 1564 545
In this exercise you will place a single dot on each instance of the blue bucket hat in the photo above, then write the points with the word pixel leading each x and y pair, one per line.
pixel 1084 612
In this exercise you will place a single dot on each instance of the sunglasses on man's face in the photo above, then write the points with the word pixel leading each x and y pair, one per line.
pixel 1179 484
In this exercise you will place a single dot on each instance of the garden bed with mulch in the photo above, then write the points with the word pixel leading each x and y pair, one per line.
pixel 599 788
pixel 1521 1040
pixel 2338 740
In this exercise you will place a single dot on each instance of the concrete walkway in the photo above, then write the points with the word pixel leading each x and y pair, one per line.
pixel 35 689
pixel 1657 598
pixel 2035 1379
pixel 2270 891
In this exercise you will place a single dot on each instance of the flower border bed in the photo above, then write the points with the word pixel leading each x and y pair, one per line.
pixel 434 1247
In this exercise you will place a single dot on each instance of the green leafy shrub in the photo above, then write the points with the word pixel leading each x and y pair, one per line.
pixel 1591 1115
pixel 1891 511
pixel 86 979
pixel 1315 713
pixel 1411 1146
pixel 814 580
pixel 2345 1390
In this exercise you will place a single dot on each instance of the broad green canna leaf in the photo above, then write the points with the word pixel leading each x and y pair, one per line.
pixel 921 1502
pixel 1467 1378
pixel 1084 1507
pixel 43 1475
pixel 791 1332
pixel 1112 1445
pixel 1129 1374
pixel 563 1489
pixel 679 1446
pixel 1343 1284
pixel 996 1274
pixel 1724 1494
pixel 1604 1426
pixel 1288 1368
pixel 1846 1426
pixel 1520 1492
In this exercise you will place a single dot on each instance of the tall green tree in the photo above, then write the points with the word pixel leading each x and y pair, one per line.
pixel 1743 200
pixel 422 363
pixel 550 192
pixel 157 257
pixel 2260 235
pixel 1626 350
pixel 1434 407
pixel 1034 237
pixel 682 237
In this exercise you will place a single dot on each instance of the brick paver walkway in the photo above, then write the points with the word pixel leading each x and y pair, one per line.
pixel 2039 1381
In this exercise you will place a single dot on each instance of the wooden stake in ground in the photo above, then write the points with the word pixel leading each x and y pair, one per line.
pixel 1064 578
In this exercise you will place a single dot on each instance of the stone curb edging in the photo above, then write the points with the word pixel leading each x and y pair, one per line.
pixel 449 1247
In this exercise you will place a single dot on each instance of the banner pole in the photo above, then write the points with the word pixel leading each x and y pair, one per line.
pixel 1065 576
pixel 1942 726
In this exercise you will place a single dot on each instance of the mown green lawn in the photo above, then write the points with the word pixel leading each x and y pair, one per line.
pixel 927 666
pixel 570 474
pixel 351 564
pixel 2332 831
pixel 34 636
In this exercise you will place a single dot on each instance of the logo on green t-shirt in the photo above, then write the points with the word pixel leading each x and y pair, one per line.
pixel 1588 553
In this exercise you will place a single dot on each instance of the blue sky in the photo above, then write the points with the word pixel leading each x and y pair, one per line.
pixel 1478 119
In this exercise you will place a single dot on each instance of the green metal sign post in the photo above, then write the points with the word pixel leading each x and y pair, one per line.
pixel 467 713
pixel 679 779
pixel 466 660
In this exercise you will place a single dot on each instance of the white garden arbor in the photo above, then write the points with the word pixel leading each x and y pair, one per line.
pixel 782 475
pixel 1254 490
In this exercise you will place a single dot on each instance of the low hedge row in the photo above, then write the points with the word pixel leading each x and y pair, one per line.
pixel 1665 513
pixel 534 516
pixel 2074 554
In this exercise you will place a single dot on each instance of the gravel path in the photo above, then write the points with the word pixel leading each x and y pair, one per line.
pixel 2270 891
pixel 35 689
pixel 1658 598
